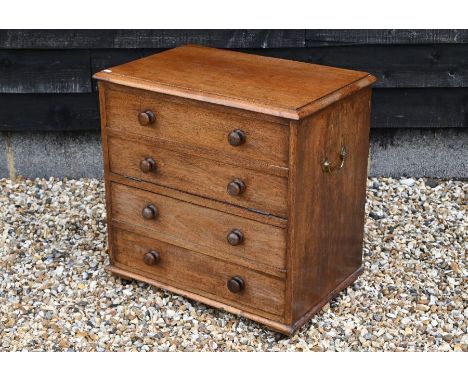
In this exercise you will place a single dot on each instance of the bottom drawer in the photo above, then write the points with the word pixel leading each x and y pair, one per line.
pixel 197 273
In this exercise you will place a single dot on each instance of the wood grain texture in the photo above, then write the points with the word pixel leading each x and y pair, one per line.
pixel 154 38
pixel 198 228
pixel 45 71
pixel 198 273
pixel 420 108
pixel 326 299
pixel 232 78
pixel 385 36
pixel 403 66
pixel 105 158
pixel 327 210
pixel 205 202
pixel 243 38
pixel 272 321
pixel 193 126
pixel 200 176
pixel 49 112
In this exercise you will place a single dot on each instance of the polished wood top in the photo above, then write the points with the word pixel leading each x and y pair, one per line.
pixel 273 86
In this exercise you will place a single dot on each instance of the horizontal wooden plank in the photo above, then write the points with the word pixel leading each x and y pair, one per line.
pixel 80 39
pixel 391 108
pixel 68 71
pixel 395 66
pixel 319 37
pixel 89 39
pixel 44 71
pixel 420 108
pixel 49 112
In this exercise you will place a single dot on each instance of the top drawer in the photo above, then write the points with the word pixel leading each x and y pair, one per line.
pixel 197 126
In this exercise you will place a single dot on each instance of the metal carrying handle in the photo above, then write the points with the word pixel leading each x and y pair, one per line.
pixel 327 166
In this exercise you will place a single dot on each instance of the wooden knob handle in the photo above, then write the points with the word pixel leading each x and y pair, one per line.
pixel 236 138
pixel 146 118
pixel 150 212
pixel 236 187
pixel 151 258
pixel 235 284
pixel 235 237
pixel 148 165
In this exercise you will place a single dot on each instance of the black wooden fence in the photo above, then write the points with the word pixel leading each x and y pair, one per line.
pixel 46 84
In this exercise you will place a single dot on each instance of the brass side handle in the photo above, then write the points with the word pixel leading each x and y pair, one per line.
pixel 328 166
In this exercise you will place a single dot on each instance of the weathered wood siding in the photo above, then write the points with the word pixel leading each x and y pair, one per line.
pixel 46 84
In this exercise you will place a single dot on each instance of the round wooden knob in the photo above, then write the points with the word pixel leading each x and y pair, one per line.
pixel 236 187
pixel 146 118
pixel 151 258
pixel 236 138
pixel 150 212
pixel 235 237
pixel 235 284
pixel 148 165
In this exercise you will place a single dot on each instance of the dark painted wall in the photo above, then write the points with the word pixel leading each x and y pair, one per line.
pixel 46 85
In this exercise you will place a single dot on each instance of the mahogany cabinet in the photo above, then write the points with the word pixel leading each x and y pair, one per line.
pixel 236 180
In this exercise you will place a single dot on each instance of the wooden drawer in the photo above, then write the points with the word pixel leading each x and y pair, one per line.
pixel 197 175
pixel 199 228
pixel 197 273
pixel 196 126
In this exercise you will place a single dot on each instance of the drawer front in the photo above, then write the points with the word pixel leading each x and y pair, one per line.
pixel 196 272
pixel 196 175
pixel 193 125
pixel 199 228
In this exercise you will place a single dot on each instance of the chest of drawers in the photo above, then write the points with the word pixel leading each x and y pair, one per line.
pixel 236 180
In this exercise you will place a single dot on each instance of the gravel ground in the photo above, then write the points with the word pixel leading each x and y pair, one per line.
pixel 56 296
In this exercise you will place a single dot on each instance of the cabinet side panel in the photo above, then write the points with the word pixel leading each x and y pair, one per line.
pixel 105 156
pixel 328 208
